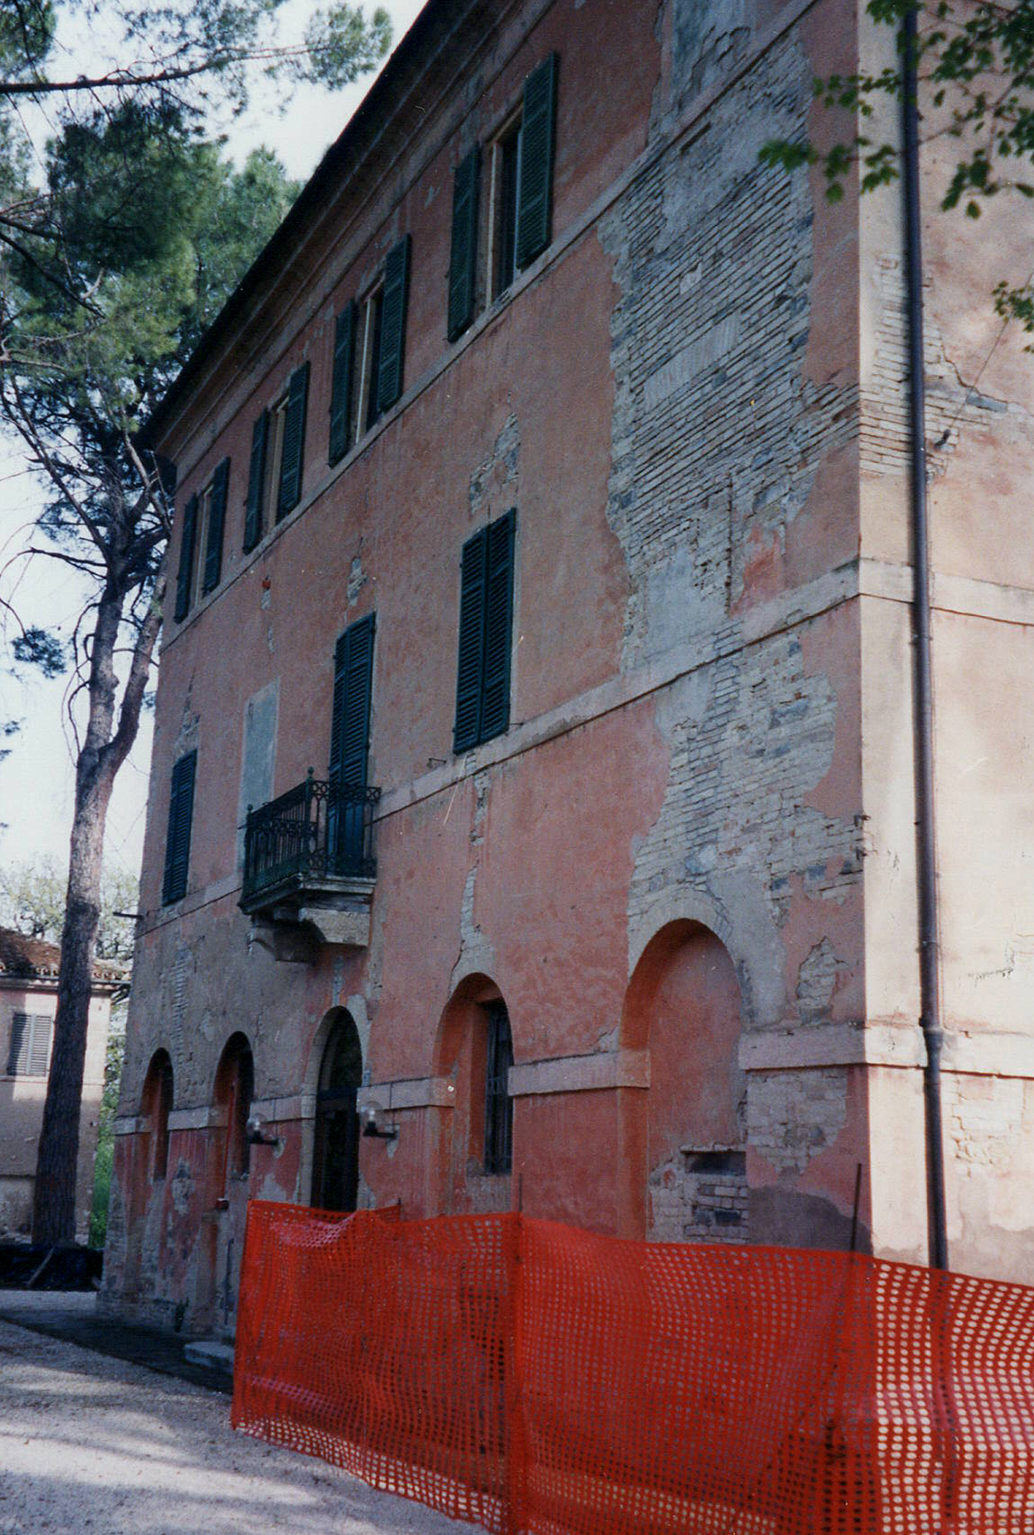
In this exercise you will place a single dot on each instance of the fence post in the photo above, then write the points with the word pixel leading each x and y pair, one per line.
pixel 515 1440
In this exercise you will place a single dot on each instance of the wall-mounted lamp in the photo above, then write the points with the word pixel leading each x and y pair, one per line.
pixel 255 1135
pixel 373 1129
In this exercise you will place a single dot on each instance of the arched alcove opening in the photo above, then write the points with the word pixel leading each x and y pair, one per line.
pixel 234 1091
pixel 335 1164
pixel 475 1049
pixel 156 1106
pixel 684 1004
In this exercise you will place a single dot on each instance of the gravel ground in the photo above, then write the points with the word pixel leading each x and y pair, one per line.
pixel 92 1446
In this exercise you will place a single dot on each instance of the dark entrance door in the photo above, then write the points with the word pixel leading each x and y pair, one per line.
pixel 335 1168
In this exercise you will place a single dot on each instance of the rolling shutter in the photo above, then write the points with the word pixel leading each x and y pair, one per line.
pixel 186 560
pixel 341 383
pixel 495 692
pixel 535 188
pixel 463 259
pixel 177 842
pixel 290 492
pixel 467 728
pixel 216 523
pixel 393 324
pixel 256 482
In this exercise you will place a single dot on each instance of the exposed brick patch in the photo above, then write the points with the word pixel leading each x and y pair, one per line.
pixel 793 1116
pixel 700 1196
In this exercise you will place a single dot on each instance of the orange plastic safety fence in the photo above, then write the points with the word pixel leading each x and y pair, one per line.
pixel 526 1376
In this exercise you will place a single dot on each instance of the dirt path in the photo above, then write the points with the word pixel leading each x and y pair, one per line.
pixel 93 1446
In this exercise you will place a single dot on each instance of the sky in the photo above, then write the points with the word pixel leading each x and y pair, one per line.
pixel 37 778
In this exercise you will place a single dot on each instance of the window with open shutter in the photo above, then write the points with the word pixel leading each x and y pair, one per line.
pixel 350 741
pixel 341 382
pixel 486 623
pixel 535 190
pixel 256 482
pixel 290 492
pixel 177 842
pixel 29 1051
pixel 393 325
pixel 216 523
pixel 186 565
pixel 463 257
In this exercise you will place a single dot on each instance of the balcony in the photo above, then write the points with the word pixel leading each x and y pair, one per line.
pixel 309 868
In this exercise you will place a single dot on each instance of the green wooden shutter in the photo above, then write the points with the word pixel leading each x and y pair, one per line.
pixel 495 690
pixel 341 382
pixel 463 260
pixel 535 189
pixel 216 523
pixel 18 1051
pixel 290 492
pixel 393 324
pixel 353 680
pixel 470 665
pixel 177 842
pixel 186 560
pixel 256 482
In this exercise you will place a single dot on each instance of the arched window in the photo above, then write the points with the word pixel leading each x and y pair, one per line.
pixel 234 1090
pixel 498 1103
pixel 157 1106
pixel 335 1167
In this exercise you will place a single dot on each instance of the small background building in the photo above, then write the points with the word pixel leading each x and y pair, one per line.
pixel 28 1003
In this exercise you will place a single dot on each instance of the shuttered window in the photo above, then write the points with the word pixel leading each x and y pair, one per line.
pixel 393 325
pixel 256 482
pixel 486 623
pixel 350 741
pixel 290 491
pixel 186 565
pixel 341 383
pixel 216 523
pixel 498 1103
pixel 29 1052
pixel 535 177
pixel 463 257
pixel 177 842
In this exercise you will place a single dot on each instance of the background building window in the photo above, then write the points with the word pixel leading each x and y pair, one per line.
pixel 498 1103
pixel 31 1038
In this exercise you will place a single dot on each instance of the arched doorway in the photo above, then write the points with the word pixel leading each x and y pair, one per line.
pixel 228 1165
pixel 335 1162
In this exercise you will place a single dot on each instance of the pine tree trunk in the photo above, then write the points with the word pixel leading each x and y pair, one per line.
pixel 54 1212
pixel 104 749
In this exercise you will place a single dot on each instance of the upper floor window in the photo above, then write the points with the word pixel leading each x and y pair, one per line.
pixel 520 170
pixel 28 1054
pixel 277 455
pixel 369 353
pixel 201 543
pixel 177 841
pixel 486 622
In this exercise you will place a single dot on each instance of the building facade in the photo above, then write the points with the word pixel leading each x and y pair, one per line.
pixel 28 1005
pixel 532 813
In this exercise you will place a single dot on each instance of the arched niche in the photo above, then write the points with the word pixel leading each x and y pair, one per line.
pixel 335 1160
pixel 234 1090
pixel 155 1106
pixel 684 1005
pixel 474 1047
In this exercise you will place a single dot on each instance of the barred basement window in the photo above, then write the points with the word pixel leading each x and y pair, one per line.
pixel 498 1103
pixel 31 1038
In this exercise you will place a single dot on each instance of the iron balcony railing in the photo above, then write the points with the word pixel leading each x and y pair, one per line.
pixel 315 830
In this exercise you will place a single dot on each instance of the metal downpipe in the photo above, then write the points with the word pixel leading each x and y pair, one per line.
pixel 926 854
